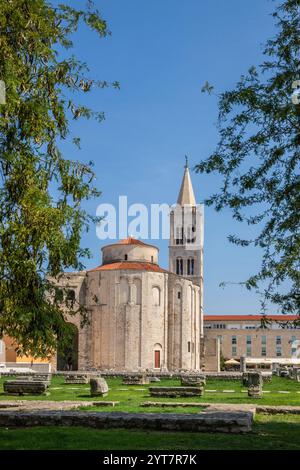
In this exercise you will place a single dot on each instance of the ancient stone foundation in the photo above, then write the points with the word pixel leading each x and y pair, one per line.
pixel 21 387
pixel 173 392
pixel 235 422
pixel 73 379
pixel 36 378
pixel 136 380
pixel 193 380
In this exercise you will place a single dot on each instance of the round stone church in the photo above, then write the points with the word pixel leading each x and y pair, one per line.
pixel 141 316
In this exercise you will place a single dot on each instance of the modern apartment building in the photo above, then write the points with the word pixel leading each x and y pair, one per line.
pixel 244 335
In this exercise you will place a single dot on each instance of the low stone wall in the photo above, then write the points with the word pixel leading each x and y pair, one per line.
pixel 149 373
pixel 224 375
pixel 226 422
pixel 267 376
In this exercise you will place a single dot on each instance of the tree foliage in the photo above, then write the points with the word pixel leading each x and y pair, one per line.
pixel 258 158
pixel 41 192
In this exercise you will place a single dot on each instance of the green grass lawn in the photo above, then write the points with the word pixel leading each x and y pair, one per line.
pixel 279 432
pixel 269 432
pixel 131 398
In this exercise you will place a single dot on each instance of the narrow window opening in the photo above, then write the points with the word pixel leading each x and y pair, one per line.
pixel 179 266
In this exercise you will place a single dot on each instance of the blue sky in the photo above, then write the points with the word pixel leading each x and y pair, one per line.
pixel 162 52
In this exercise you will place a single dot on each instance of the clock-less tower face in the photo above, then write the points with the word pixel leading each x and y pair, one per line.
pixel 186 234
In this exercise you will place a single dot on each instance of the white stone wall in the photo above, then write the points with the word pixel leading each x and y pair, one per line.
pixel 131 315
pixel 142 253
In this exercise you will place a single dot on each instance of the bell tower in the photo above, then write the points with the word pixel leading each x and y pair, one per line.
pixel 186 233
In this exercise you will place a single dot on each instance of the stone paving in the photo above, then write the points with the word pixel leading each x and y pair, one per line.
pixel 232 407
pixel 34 405
pixel 45 405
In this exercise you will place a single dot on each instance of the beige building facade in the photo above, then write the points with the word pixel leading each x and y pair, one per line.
pixel 243 335
pixel 141 316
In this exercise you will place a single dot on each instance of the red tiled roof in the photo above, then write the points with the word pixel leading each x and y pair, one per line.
pixel 131 265
pixel 250 317
pixel 130 241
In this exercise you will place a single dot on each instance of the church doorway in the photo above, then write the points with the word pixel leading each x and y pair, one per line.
pixel 67 356
pixel 157 355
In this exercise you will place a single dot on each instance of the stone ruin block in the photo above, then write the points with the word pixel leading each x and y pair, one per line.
pixel 174 392
pixel 154 379
pixel 284 372
pixel 43 377
pixel 267 378
pixel 193 380
pixel 36 378
pixel 19 387
pixel 136 380
pixel 255 382
pixel 72 379
pixel 295 373
pixel 99 387
pixel 245 379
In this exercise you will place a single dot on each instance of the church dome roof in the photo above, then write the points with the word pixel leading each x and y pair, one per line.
pixel 130 241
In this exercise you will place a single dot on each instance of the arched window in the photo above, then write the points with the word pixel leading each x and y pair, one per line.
pixel 190 266
pixel 179 266
pixel 155 296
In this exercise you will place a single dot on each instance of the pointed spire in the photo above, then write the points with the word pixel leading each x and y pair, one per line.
pixel 186 194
